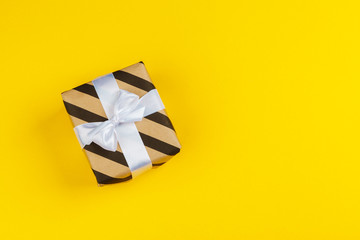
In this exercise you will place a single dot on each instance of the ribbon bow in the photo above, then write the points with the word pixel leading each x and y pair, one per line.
pixel 123 109
pixel 127 108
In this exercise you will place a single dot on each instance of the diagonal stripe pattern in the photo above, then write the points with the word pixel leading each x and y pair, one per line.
pixel 156 130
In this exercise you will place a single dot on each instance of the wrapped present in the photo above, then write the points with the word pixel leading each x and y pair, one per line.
pixel 121 124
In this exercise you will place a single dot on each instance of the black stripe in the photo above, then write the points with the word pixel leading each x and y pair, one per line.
pixel 148 140
pixel 83 114
pixel 134 80
pixel 105 179
pixel 161 119
pixel 114 156
pixel 88 89
pixel 159 145
pixel 158 164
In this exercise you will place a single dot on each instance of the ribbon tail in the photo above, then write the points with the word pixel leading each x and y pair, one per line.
pixel 135 116
pixel 152 102
pixel 83 132
pixel 101 133
pixel 133 148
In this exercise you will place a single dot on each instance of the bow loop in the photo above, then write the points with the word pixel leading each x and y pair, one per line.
pixel 128 108
pixel 101 133
pixel 126 102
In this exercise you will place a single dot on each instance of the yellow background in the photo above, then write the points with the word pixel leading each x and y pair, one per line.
pixel 264 96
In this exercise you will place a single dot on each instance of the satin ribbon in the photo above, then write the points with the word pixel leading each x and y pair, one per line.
pixel 123 109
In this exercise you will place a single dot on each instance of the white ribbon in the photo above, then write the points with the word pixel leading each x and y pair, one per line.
pixel 122 109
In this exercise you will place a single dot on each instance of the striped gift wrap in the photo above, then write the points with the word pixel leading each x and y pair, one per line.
pixel 156 130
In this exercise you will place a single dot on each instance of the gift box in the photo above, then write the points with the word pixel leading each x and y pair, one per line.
pixel 121 124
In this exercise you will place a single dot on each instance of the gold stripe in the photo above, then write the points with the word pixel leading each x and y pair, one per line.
pixel 106 166
pixel 158 131
pixel 130 88
pixel 156 156
pixel 84 101
pixel 139 70
pixel 162 160
pixel 77 121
